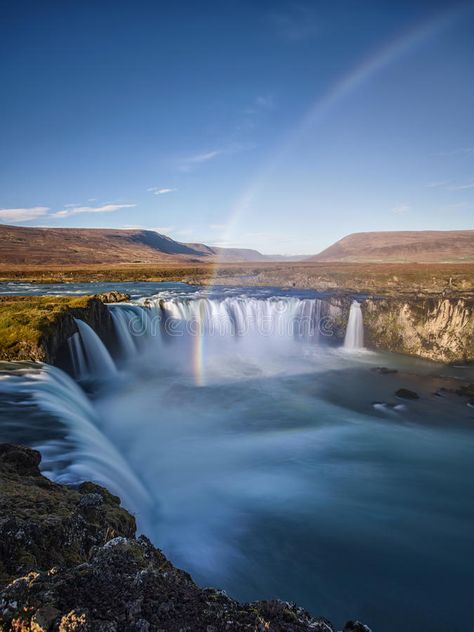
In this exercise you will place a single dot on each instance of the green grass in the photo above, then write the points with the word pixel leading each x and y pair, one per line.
pixel 25 320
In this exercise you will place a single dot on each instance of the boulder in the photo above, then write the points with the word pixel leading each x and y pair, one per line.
pixel 405 393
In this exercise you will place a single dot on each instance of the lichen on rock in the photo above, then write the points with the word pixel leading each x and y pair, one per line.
pixel 44 524
pixel 70 562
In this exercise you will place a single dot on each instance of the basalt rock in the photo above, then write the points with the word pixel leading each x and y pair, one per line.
pixel 129 585
pixel 440 329
pixel 70 562
pixel 36 328
pixel 95 314
pixel 405 393
pixel 355 626
pixel 43 524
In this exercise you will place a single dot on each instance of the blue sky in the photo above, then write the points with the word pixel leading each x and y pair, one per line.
pixel 274 125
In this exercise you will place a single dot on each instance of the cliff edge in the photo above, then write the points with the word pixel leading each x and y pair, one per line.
pixel 70 562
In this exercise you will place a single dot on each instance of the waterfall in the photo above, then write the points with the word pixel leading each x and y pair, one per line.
pixel 90 351
pixel 78 357
pixel 239 316
pixel 124 335
pixel 80 451
pixel 354 338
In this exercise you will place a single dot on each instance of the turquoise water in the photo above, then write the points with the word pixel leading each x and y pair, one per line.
pixel 276 476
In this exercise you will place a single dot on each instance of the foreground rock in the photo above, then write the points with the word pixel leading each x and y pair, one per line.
pixel 69 561
pixel 43 524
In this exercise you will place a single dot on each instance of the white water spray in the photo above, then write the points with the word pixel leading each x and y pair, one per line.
pixel 354 338
pixel 241 316
pixel 92 351
pixel 78 356
pixel 82 452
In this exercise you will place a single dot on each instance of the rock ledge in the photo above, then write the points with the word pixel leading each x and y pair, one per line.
pixel 70 562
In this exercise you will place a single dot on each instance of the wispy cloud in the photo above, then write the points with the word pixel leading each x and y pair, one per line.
pixel 401 209
pixel 105 208
pixel 437 184
pixel 158 191
pixel 218 227
pixel 22 214
pixel 461 187
pixel 196 160
pixel 191 162
pixel 205 156
pixel 451 185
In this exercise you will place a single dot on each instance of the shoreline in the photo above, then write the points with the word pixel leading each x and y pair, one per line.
pixel 454 280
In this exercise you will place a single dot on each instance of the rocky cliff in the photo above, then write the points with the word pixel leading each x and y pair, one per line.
pixel 438 329
pixel 70 562
pixel 37 327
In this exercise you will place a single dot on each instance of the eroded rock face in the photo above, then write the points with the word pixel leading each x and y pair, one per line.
pixel 437 329
pixel 43 524
pixel 69 562
pixel 129 585
pixel 95 314
pixel 37 328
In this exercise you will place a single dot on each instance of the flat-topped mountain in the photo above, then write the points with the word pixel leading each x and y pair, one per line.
pixel 31 245
pixel 424 246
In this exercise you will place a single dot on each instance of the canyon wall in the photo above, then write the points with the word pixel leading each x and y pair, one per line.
pixel 437 329
pixel 440 329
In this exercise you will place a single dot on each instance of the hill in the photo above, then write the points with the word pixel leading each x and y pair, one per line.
pixel 402 247
pixel 75 246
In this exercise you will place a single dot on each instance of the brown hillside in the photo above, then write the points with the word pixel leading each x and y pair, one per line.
pixel 402 246
pixel 20 245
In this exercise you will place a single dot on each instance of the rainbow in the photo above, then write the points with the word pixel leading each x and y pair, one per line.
pixel 405 43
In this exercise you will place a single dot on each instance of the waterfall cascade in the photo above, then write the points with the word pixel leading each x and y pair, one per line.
pixel 127 342
pixel 79 451
pixel 143 327
pixel 146 324
pixel 78 356
pixel 354 338
pixel 240 316
pixel 89 354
